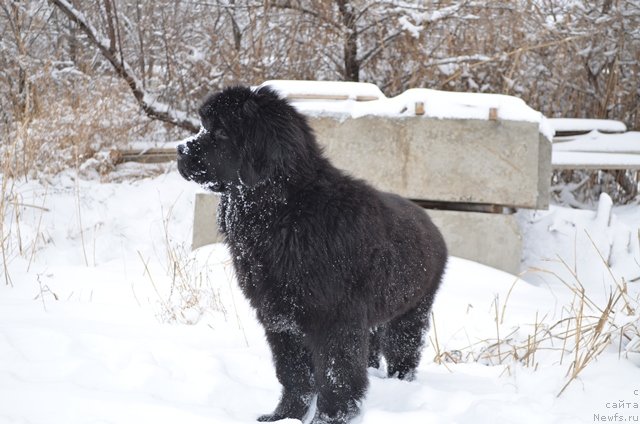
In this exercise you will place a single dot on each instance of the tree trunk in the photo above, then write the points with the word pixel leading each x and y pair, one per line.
pixel 351 63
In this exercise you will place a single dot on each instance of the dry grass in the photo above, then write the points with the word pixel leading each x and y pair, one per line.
pixel 6 212
pixel 65 127
pixel 188 290
pixel 584 330
pixel 70 124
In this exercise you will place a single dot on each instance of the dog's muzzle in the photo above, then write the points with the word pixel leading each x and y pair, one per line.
pixel 182 150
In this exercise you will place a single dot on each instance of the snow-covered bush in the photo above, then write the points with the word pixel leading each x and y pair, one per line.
pixel 582 188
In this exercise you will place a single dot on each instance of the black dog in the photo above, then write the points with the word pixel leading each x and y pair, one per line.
pixel 338 272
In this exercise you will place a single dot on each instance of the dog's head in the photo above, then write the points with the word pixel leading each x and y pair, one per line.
pixel 247 136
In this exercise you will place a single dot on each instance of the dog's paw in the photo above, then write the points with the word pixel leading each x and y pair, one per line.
pixel 325 419
pixel 269 418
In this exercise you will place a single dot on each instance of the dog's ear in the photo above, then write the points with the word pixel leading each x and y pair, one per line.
pixel 265 117
pixel 261 157
pixel 248 174
pixel 260 149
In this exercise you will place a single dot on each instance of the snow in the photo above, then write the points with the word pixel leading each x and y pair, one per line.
pixel 111 320
pixel 580 239
pixel 595 141
pixel 437 104
pixel 594 160
pixel 412 29
pixel 351 90
pixel 575 124
pixel 597 150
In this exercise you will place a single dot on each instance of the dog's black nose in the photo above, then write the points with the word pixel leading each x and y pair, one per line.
pixel 181 150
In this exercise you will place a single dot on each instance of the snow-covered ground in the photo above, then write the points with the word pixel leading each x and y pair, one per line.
pixel 107 318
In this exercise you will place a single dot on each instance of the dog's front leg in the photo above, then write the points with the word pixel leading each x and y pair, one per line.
pixel 340 370
pixel 293 369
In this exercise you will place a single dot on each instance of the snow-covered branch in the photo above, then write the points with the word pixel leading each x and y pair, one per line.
pixel 378 48
pixel 457 59
pixel 149 104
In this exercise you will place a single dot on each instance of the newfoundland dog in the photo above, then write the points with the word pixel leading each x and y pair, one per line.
pixel 339 273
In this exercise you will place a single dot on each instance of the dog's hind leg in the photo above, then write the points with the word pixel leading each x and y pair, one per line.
pixel 293 369
pixel 375 336
pixel 404 338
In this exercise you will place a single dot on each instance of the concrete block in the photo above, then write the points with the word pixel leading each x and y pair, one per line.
pixel 490 239
pixel 452 160
pixel 205 226
pixel 544 172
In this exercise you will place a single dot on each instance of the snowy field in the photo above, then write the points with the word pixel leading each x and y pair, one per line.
pixel 105 317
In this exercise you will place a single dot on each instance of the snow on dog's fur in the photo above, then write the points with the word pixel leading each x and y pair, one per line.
pixel 339 273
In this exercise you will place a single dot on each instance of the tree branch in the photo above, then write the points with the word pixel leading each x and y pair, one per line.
pixel 309 12
pixel 378 48
pixel 149 104
pixel 501 56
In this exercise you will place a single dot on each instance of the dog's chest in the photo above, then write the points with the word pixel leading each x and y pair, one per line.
pixel 257 236
pixel 246 222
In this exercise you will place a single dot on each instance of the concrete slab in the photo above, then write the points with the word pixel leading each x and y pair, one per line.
pixel 545 153
pixel 490 239
pixel 205 226
pixel 453 160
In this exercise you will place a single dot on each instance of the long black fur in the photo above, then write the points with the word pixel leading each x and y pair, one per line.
pixel 338 272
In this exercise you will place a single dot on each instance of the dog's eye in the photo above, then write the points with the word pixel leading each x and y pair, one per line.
pixel 220 134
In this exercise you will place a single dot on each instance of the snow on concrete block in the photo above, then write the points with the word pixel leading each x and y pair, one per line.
pixel 325 90
pixel 318 98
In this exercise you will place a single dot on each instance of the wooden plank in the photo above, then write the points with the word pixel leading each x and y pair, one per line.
pixel 151 151
pixel 149 159
pixel 154 155
pixel 364 98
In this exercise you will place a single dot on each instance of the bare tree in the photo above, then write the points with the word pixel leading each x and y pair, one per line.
pixel 564 58
pixel 111 49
